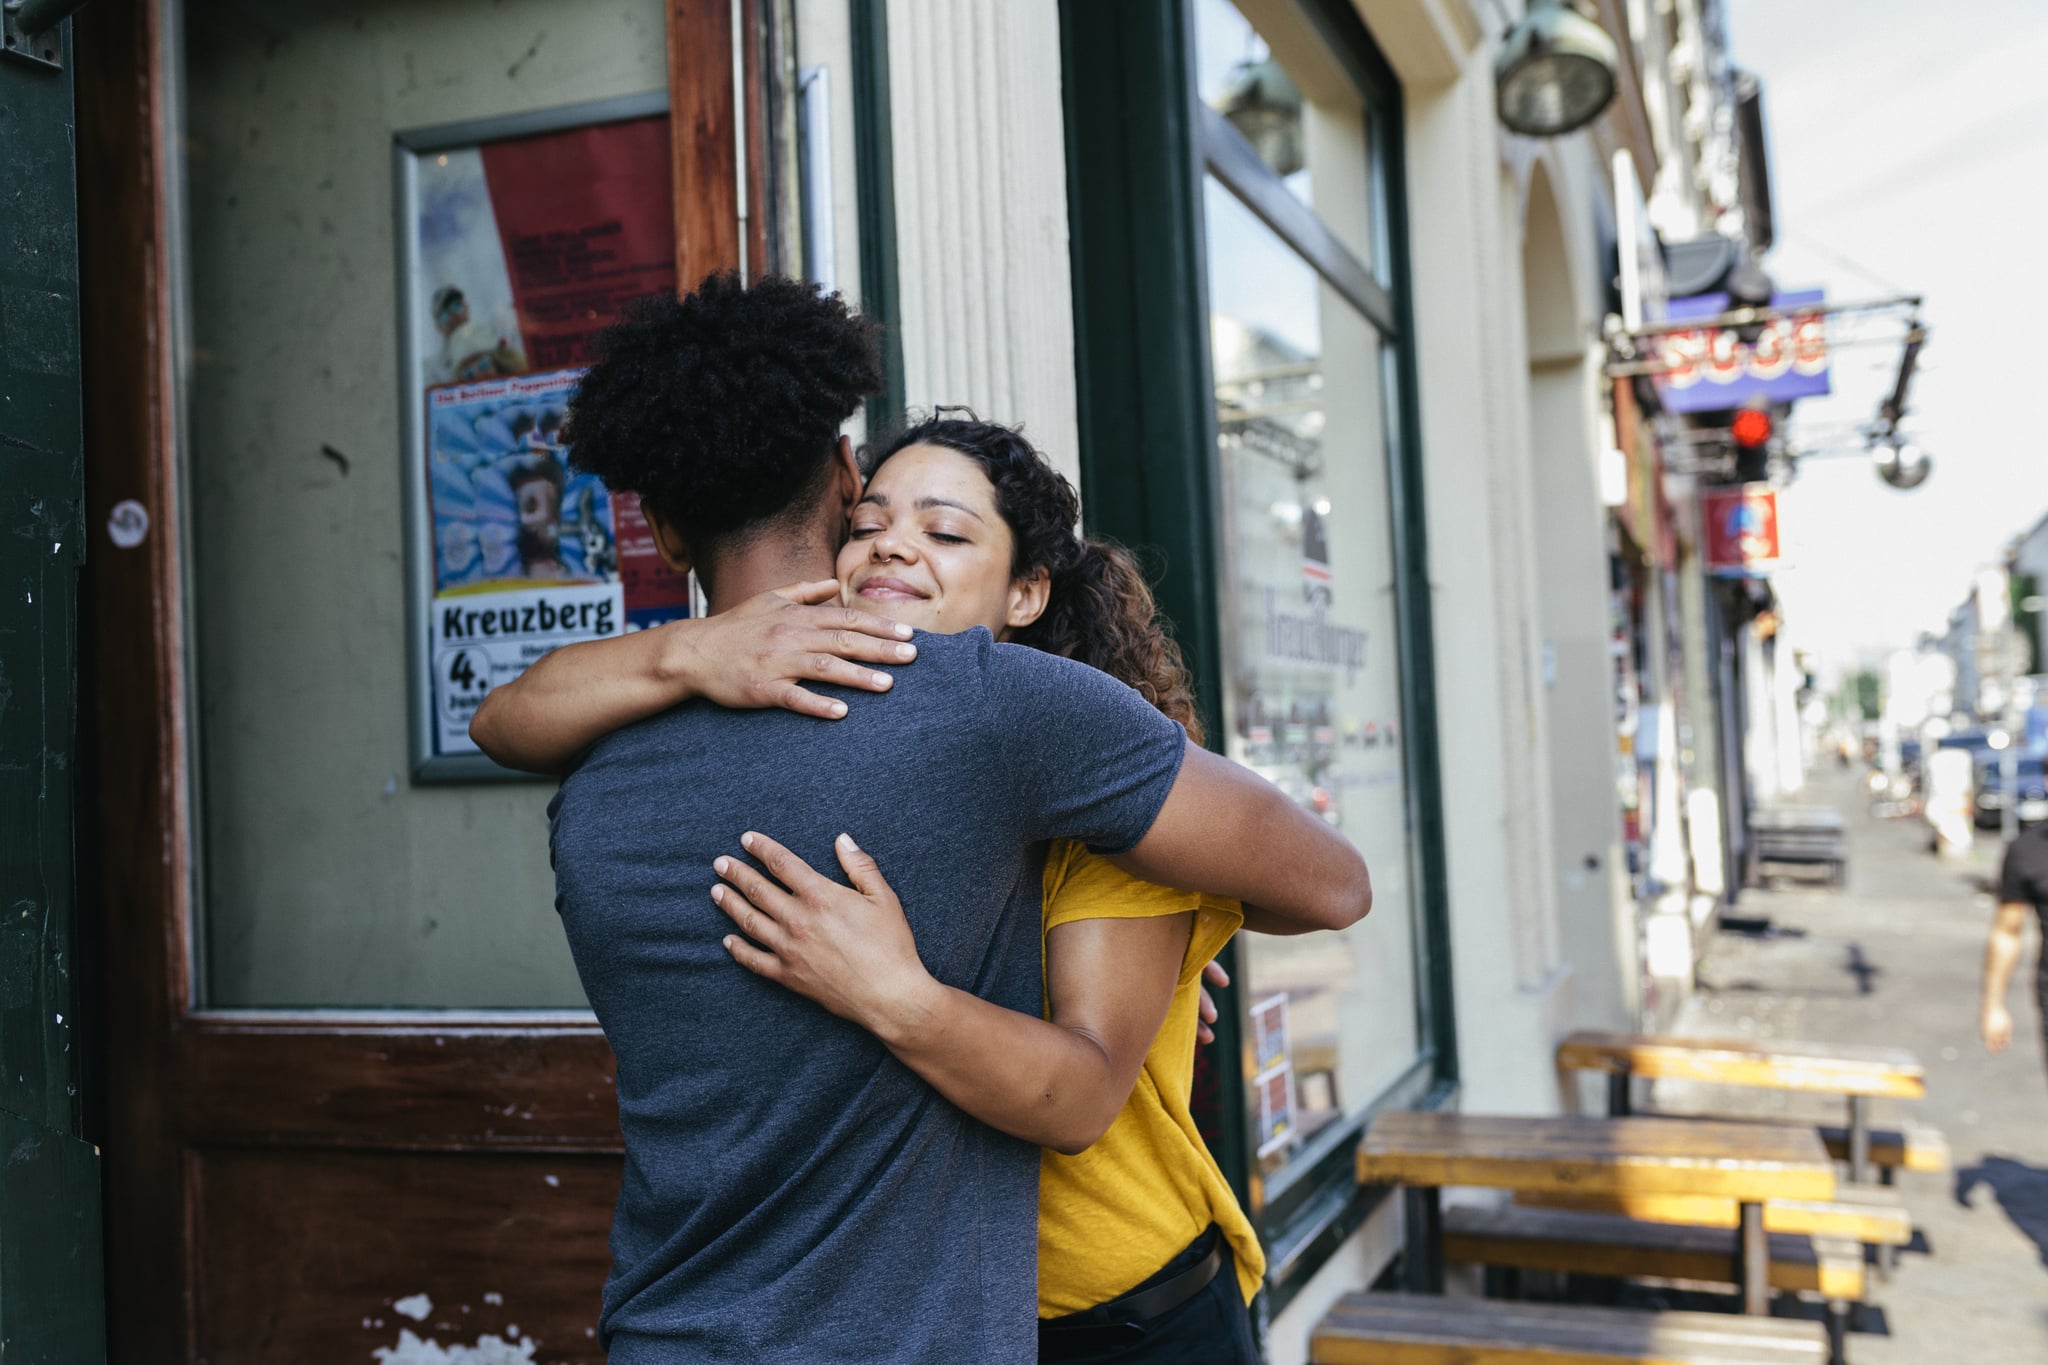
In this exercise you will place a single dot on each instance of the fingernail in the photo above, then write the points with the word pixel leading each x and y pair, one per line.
pixel 882 679
pixel 906 652
pixel 727 941
pixel 718 894
pixel 722 864
pixel 838 708
pixel 846 842
pixel 903 632
pixel 747 841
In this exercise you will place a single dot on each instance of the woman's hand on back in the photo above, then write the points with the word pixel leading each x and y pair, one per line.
pixel 848 948
pixel 1206 1013
pixel 1058 1081
pixel 761 653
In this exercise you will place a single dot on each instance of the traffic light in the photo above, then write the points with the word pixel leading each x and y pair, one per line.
pixel 1751 430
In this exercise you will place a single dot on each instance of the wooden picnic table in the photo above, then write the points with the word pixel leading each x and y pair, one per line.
pixel 1856 1073
pixel 1748 1163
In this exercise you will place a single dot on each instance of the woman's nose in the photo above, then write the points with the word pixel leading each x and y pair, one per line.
pixel 889 545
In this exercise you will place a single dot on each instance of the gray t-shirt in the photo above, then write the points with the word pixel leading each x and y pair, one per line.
pixel 792 1192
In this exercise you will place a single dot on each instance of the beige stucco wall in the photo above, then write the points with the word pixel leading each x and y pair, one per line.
pixel 1508 422
pixel 984 281
pixel 1562 304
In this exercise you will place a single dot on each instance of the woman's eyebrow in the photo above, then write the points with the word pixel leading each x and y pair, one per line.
pixel 927 503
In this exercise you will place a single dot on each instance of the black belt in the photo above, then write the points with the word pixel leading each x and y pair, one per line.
pixel 1142 1305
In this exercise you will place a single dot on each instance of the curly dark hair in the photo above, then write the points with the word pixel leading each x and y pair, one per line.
pixel 1100 610
pixel 722 409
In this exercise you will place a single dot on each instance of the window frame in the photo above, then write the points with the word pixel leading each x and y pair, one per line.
pixel 1140 144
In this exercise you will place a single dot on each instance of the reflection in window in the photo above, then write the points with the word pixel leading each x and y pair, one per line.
pixel 1313 690
pixel 1241 79
pixel 1301 115
pixel 330 878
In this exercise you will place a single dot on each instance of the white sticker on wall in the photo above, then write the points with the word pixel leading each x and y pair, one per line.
pixel 128 524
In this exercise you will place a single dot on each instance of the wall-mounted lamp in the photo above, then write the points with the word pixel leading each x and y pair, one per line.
pixel 1555 73
pixel 1262 103
pixel 1902 464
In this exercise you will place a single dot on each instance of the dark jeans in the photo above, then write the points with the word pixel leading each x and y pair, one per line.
pixel 1212 1328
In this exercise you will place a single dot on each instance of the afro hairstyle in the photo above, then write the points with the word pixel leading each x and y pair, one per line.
pixel 722 410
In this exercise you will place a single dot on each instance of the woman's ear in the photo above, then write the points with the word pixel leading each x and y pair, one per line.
pixel 1028 597
pixel 668 541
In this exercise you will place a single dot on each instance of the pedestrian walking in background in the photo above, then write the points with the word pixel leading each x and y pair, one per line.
pixel 2022 885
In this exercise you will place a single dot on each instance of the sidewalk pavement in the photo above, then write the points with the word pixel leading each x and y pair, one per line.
pixel 1894 959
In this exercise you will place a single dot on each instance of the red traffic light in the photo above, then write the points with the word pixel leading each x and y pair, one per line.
pixel 1751 428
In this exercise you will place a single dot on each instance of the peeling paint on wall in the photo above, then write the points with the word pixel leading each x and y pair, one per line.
pixel 488 1349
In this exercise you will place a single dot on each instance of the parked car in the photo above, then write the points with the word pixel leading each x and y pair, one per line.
pixel 2030 787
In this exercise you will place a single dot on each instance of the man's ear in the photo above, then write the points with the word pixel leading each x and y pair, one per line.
pixel 846 480
pixel 668 541
pixel 1028 597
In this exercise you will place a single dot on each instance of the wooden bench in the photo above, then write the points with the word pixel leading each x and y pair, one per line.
pixel 1749 1163
pixel 1912 1147
pixel 1803 836
pixel 1858 1213
pixel 1578 1243
pixel 1857 1073
pixel 1909 1147
pixel 1771 1064
pixel 1422 1329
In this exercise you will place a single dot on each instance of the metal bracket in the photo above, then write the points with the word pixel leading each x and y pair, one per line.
pixel 41 46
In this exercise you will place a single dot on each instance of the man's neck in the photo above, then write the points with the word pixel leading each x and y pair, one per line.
pixel 772 562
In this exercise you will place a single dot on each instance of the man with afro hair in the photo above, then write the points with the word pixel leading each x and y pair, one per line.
pixel 722 411
pixel 792 1192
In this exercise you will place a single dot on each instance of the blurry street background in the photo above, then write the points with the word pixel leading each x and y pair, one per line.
pixel 1586 449
pixel 1896 955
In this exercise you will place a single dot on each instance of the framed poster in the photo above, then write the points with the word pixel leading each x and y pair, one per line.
pixel 520 239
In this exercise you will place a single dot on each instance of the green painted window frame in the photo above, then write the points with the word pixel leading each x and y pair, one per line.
pixel 1139 146
pixel 875 190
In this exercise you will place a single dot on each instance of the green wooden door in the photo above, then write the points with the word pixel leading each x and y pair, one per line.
pixel 51 1307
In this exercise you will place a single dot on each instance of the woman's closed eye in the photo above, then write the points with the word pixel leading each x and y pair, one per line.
pixel 860 531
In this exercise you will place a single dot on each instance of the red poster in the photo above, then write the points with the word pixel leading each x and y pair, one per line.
pixel 586 220
pixel 1741 527
pixel 587 223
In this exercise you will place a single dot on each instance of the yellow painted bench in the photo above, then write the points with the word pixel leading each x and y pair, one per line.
pixel 1858 1074
pixel 1422 1329
pixel 1912 1147
pixel 1857 1213
pixel 1580 1243
pixel 1773 1064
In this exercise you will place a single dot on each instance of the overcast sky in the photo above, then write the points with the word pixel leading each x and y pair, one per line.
pixel 1909 152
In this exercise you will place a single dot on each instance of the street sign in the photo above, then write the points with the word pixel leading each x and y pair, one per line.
pixel 1741 525
pixel 1712 368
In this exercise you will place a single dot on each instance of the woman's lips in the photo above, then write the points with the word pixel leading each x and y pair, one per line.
pixel 889 590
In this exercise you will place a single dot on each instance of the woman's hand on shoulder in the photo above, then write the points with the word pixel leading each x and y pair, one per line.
pixel 760 654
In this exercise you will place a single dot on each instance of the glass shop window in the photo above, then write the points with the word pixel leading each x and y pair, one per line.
pixel 402 224
pixel 1281 89
pixel 1302 353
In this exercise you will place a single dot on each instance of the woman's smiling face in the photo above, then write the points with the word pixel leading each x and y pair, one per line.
pixel 926 546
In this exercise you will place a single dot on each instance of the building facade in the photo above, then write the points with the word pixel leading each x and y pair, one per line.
pixel 1269 279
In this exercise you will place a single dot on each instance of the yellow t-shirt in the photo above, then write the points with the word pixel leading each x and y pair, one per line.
pixel 1110 1217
